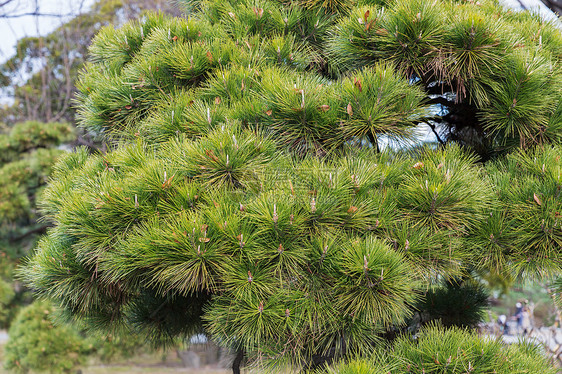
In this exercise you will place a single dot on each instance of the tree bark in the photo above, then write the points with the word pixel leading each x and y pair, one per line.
pixel 237 361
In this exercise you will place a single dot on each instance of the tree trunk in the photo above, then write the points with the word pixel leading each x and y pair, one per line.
pixel 237 361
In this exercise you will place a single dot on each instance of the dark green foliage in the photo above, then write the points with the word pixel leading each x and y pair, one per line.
pixel 457 302
pixel 28 152
pixel 7 295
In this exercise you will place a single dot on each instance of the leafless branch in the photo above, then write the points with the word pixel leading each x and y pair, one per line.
pixel 33 10
pixel 6 2
pixel 37 230
pixel 37 14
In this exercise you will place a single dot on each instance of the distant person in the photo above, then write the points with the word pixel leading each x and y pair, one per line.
pixel 526 321
pixel 529 307
pixel 518 315
pixel 502 321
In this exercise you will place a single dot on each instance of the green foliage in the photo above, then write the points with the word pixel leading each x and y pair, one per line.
pixel 7 295
pixel 39 343
pixel 439 350
pixel 169 58
pixel 557 291
pixel 204 222
pixel 445 191
pixel 457 351
pixel 26 136
pixel 28 154
pixel 109 348
pixel 374 365
pixel 515 109
pixel 457 302
pixel 495 80
pixel 36 343
pixel 246 194
pixel 528 188
pixel 20 182
pixel 464 57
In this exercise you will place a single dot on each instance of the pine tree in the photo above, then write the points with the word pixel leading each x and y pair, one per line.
pixel 267 186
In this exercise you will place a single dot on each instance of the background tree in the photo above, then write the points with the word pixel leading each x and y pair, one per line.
pixel 40 77
pixel 36 343
pixel 248 196
pixel 28 151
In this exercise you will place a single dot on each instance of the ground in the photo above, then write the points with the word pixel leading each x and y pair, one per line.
pixel 146 363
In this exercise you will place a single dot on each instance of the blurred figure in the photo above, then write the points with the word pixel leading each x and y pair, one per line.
pixel 502 320
pixel 526 321
pixel 518 315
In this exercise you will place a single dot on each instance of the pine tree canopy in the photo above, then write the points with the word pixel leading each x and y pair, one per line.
pixel 268 187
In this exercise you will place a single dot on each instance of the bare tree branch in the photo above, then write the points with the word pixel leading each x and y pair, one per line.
pixel 37 14
pixel 6 2
pixel 37 230
pixel 32 11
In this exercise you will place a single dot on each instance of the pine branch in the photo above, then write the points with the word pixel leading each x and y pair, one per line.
pixel 432 127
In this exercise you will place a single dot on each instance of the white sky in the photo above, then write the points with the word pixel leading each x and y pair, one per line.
pixel 12 29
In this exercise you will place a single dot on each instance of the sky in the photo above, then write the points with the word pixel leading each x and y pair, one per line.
pixel 12 29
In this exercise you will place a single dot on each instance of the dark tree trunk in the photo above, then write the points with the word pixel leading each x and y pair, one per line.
pixel 237 361
pixel 374 142
pixel 320 361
